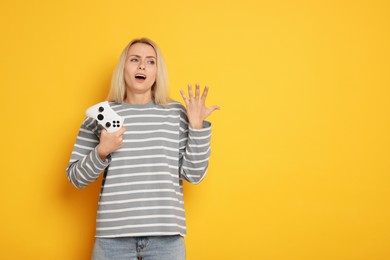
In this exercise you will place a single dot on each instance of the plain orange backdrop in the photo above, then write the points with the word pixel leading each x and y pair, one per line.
pixel 300 149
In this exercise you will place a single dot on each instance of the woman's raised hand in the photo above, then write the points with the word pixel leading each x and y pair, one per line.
pixel 196 106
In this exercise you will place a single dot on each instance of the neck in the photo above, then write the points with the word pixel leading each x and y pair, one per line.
pixel 138 99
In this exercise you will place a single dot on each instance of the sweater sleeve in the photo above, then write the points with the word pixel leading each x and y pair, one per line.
pixel 85 165
pixel 194 150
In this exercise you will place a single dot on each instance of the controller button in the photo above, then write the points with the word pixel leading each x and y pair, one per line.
pixel 101 109
pixel 108 124
pixel 100 117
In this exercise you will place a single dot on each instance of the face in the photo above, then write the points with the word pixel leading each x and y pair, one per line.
pixel 140 68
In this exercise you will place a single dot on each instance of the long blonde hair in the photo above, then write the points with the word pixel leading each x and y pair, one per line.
pixel 160 92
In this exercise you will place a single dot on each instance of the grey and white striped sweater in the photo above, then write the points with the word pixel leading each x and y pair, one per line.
pixel 141 192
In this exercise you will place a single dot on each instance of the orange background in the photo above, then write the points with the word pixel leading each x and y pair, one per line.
pixel 300 150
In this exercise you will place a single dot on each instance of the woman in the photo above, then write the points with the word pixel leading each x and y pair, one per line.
pixel 140 210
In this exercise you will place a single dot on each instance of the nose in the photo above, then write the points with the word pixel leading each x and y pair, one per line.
pixel 141 66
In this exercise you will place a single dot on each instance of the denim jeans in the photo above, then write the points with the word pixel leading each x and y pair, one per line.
pixel 132 248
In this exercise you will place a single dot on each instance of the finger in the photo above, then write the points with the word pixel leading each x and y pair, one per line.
pixel 103 133
pixel 213 108
pixel 190 95
pixel 205 91
pixel 184 96
pixel 123 130
pixel 197 91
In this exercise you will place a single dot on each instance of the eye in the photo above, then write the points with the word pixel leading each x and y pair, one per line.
pixel 133 60
pixel 151 62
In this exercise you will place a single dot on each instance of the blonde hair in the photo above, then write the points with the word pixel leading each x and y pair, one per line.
pixel 160 93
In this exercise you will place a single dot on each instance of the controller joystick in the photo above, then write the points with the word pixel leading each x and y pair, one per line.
pixel 105 116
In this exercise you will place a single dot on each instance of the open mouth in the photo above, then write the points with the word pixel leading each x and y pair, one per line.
pixel 140 77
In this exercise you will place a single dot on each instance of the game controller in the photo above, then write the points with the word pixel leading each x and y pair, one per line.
pixel 105 116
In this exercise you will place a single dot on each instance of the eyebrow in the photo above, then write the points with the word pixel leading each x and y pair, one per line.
pixel 135 55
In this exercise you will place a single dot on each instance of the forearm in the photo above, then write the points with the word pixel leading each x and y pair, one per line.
pixel 85 165
pixel 195 158
pixel 86 170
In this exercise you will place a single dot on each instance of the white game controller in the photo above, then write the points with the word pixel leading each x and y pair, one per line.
pixel 105 116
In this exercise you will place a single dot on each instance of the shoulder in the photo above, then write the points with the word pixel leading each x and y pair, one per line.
pixel 180 110
pixel 114 105
pixel 175 105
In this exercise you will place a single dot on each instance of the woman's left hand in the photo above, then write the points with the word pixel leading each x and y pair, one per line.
pixel 196 107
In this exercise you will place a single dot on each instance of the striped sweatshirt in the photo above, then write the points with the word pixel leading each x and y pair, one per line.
pixel 141 192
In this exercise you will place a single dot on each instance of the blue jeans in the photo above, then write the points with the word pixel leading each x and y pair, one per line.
pixel 132 248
